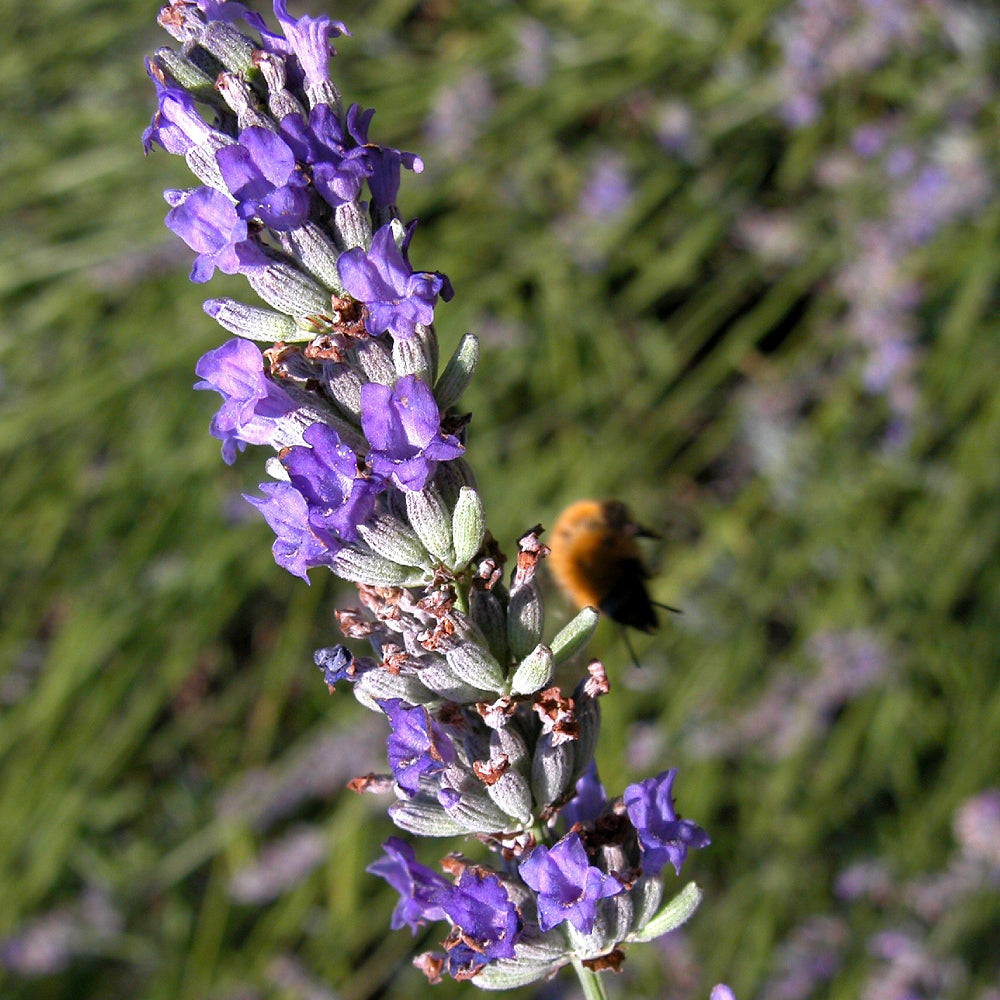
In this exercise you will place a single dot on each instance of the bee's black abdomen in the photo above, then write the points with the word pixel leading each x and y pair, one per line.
pixel 628 602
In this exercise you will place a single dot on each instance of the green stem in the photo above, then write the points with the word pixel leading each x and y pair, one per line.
pixel 593 987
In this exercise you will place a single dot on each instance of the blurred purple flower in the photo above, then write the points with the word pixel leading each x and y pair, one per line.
pixel 417 744
pixel 252 404
pixel 977 827
pixel 207 222
pixel 568 887
pixel 281 866
pixel 261 172
pixel 397 298
pixel 663 836
pixel 460 112
pixel 810 957
pixel 403 427
pixel 608 191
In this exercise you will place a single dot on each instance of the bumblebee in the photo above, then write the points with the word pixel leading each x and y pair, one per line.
pixel 596 561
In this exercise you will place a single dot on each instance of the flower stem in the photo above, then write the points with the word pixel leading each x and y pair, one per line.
pixel 593 987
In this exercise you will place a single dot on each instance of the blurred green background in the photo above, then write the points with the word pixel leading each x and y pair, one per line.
pixel 733 262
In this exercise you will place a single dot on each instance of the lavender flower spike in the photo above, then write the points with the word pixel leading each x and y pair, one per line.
pixel 345 394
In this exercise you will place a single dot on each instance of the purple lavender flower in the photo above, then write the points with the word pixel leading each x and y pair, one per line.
pixel 568 886
pixel 296 547
pixel 662 836
pixel 176 125
pixel 384 162
pixel 417 744
pixel 326 474
pixel 252 404
pixel 480 907
pixel 229 11
pixel 421 890
pixel 338 663
pixel 207 222
pixel 403 427
pixel 261 172
pixel 308 39
pixel 397 298
pixel 720 991
pixel 338 172
pixel 589 801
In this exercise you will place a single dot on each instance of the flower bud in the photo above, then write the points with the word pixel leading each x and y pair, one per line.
pixel 647 894
pixel 431 521
pixel 424 817
pixel 534 672
pixel 410 358
pixel 469 663
pixel 438 677
pixel 391 538
pixel 468 526
pixel 202 163
pixel 458 372
pixel 477 812
pixel 288 290
pixel 575 635
pixel 188 74
pixel 525 619
pixel 254 323
pixel 506 786
pixel 551 770
pixel 536 959
pixel 588 719
pixel 343 386
pixel 376 361
pixel 351 227
pixel 233 50
pixel 486 612
pixel 280 101
pixel 380 684
pixel 314 251
pixel 359 566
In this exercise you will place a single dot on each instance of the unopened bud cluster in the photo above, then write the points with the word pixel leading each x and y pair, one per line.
pixel 368 478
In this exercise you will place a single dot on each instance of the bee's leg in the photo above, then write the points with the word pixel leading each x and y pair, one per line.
pixel 628 646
